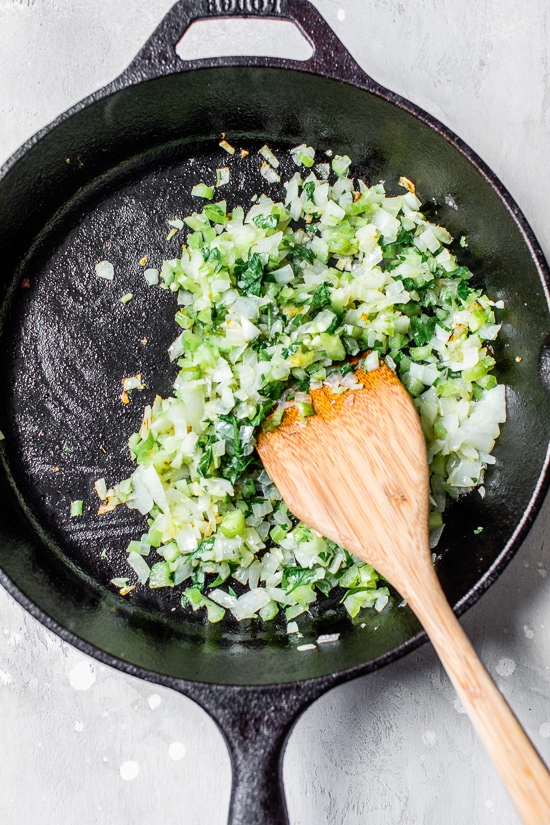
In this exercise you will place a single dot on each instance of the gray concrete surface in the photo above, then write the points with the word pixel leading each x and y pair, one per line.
pixel 82 743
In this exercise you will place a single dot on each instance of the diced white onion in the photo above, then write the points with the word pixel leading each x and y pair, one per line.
pixel 105 269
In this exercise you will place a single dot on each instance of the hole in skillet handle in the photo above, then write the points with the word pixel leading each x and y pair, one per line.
pixel 232 37
pixel 162 53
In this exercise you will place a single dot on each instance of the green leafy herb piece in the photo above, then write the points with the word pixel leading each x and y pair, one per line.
pixel 303 253
pixel 250 274
pixel 321 297
pixel 298 252
pixel 422 331
pixel 296 577
pixel 405 237
pixel 266 221
pixel 212 255
pixel 463 290
pixel 337 322
pixel 309 189
pixel 203 467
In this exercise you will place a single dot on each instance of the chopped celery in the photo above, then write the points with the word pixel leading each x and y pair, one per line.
pixel 233 524
pixel 340 165
pixel 160 575
pixel 76 508
pixel 201 190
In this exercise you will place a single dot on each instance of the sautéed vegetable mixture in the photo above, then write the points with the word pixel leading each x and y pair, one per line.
pixel 272 299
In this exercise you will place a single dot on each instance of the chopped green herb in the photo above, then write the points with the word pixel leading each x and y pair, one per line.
pixel 266 221
pixel 249 274
pixel 422 331
pixel 309 189
pixel 321 297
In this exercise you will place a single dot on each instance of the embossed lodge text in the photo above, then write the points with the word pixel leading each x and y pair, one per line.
pixel 251 6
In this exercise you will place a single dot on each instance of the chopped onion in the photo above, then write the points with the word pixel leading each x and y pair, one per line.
pixel 101 488
pixel 222 176
pixel 266 153
pixel 250 603
pixel 137 563
pixel 327 638
pixel 227 146
pixel 269 173
pixel 105 269
pixel 151 276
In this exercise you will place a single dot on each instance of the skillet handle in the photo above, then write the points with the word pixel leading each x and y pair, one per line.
pixel 330 57
pixel 256 723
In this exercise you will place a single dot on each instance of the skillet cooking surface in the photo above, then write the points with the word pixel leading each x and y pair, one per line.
pixel 70 342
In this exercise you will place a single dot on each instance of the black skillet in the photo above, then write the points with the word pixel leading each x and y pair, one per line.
pixel 100 183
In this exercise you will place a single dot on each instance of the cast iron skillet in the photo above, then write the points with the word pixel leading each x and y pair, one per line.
pixel 100 183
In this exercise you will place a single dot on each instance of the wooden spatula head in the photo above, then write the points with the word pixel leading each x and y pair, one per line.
pixel 357 470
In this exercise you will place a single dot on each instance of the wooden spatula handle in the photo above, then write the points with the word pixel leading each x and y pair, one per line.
pixel 520 767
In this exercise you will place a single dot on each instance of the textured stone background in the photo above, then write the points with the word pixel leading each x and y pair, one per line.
pixel 83 743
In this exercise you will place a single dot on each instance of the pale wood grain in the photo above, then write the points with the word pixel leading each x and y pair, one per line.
pixel 357 473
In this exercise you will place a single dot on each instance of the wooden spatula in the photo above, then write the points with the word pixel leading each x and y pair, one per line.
pixel 357 472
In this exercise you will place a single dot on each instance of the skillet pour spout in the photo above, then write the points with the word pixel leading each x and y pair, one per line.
pixel 135 139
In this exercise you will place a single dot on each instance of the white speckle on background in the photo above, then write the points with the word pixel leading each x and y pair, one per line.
pixel 529 632
pixel 129 770
pixel 176 751
pixel 543 573
pixel 79 727
pixel 458 706
pixel 341 14
pixel 489 804
pixel 154 701
pixel 544 730
pixel 506 667
pixel 82 676
pixel 429 738
pixel 5 678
